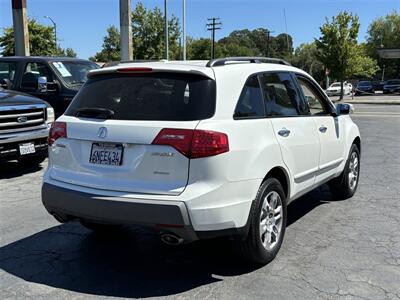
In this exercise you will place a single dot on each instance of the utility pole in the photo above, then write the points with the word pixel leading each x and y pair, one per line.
pixel 166 29
pixel 268 38
pixel 184 28
pixel 126 30
pixel 212 27
pixel 20 24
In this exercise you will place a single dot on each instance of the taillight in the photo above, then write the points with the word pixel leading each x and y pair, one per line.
pixel 193 143
pixel 208 143
pixel 57 130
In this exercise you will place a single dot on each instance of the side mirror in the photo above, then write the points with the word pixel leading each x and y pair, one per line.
pixel 344 108
pixel 42 84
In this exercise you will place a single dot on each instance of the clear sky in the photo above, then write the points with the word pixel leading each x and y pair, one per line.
pixel 81 24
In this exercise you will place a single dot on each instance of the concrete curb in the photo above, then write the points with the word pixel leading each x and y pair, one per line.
pixel 377 102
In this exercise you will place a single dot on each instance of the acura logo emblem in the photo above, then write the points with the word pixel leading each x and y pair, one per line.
pixel 102 133
pixel 22 119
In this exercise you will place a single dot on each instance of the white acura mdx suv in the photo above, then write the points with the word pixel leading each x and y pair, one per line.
pixel 198 150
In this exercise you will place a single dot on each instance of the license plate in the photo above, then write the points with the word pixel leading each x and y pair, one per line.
pixel 27 148
pixel 106 154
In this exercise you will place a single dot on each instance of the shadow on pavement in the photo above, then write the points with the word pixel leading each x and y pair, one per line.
pixel 303 205
pixel 12 169
pixel 130 263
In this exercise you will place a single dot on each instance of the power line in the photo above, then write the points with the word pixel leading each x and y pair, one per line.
pixel 213 26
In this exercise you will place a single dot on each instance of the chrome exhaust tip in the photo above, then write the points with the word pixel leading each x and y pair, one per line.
pixel 171 239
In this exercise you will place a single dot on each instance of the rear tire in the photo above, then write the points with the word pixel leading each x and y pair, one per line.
pixel 100 228
pixel 344 186
pixel 267 224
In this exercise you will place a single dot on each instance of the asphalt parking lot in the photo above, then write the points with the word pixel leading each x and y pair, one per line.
pixel 332 249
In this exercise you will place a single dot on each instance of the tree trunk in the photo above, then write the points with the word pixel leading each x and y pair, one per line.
pixel 341 90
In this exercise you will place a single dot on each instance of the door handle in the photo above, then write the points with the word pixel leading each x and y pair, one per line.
pixel 323 129
pixel 284 132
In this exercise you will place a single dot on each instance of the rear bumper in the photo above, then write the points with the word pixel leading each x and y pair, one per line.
pixel 171 216
pixel 10 151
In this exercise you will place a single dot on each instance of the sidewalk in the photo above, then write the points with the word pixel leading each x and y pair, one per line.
pixel 387 99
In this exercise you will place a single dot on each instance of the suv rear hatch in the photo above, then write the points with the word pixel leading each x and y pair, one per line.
pixel 113 122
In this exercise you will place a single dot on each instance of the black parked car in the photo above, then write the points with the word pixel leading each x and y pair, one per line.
pixel 378 85
pixel 53 79
pixel 364 88
pixel 24 127
pixel 392 86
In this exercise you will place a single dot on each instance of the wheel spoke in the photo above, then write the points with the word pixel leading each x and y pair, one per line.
pixel 263 227
pixel 274 200
pixel 265 205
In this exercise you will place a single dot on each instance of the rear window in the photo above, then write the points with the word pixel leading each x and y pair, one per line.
pixel 153 96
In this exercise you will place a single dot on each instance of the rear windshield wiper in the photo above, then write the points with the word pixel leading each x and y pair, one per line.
pixel 97 113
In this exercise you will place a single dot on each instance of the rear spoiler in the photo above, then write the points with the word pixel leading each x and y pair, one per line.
pixel 153 68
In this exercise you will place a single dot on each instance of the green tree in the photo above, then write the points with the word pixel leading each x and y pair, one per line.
pixel 336 45
pixel 147 37
pixel 70 52
pixel 257 43
pixel 41 41
pixel 305 57
pixel 198 48
pixel 148 34
pixel 362 65
pixel 385 32
pixel 281 46
pixel 111 49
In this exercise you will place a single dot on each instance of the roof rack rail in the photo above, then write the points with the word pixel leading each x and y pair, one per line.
pixel 251 59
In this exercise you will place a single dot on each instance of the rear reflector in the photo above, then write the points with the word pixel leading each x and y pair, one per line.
pixel 193 143
pixel 134 70
pixel 57 130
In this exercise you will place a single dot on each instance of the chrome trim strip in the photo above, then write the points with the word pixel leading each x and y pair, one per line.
pixel 22 124
pixel 38 113
pixel 21 107
pixel 24 129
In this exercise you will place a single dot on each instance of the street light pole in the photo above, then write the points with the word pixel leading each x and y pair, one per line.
pixel 55 31
pixel 166 29
pixel 184 28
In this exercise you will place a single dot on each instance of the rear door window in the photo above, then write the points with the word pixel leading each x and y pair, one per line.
pixel 153 96
pixel 251 103
pixel 281 96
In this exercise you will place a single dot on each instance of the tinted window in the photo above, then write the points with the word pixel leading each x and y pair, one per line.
pixel 312 97
pixel 154 96
pixel 74 72
pixel 281 96
pixel 7 70
pixel 250 104
pixel 31 74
